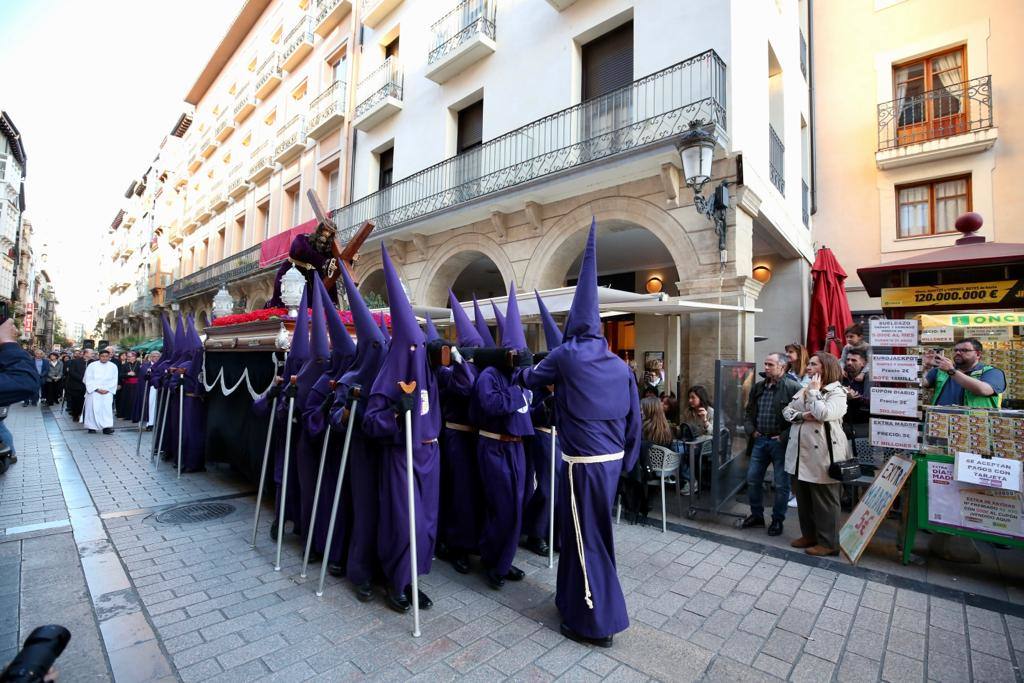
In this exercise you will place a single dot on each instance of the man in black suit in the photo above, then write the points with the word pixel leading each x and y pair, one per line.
pixel 75 390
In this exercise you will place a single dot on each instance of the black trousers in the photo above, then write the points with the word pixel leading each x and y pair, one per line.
pixel 75 403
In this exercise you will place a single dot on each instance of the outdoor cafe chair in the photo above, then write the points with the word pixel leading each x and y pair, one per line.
pixel 663 462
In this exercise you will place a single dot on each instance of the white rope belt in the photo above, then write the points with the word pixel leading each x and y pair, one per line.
pixel 546 430
pixel 583 460
pixel 504 438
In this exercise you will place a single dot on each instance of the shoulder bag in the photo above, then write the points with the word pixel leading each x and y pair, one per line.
pixel 843 471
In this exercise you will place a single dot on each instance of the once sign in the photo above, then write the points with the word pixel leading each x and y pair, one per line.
pixel 894 402
pixel 888 368
pixel 873 507
pixel 894 434
pixel 886 332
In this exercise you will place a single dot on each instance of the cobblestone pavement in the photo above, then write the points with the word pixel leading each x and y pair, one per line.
pixel 198 600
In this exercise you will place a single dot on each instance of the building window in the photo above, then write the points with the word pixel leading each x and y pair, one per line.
pixel 608 62
pixel 334 190
pixel 339 70
pixel 931 208
pixel 293 205
pixel 391 49
pixel 385 176
pixel 931 97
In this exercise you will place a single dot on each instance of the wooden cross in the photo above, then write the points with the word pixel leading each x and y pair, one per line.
pixel 347 256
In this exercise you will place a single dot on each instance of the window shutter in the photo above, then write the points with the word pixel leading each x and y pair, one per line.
pixel 608 62
pixel 471 126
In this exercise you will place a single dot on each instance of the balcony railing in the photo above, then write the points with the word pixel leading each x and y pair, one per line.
pixel 262 163
pixel 805 194
pixel 951 109
pixel 328 14
pixel 383 82
pixel 652 109
pixel 469 18
pixel 291 138
pixel 373 11
pixel 242 264
pixel 268 75
pixel 803 54
pixel 328 106
pixel 297 44
pixel 236 180
pixel 142 304
pixel 225 127
pixel 776 160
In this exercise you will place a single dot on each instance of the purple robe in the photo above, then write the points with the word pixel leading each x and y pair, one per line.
pixel 537 500
pixel 461 512
pixel 500 408
pixel 142 395
pixel 603 612
pixel 310 262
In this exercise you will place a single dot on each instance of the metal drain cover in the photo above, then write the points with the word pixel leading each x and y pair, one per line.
pixel 195 512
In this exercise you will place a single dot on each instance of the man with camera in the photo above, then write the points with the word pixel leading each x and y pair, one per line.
pixel 18 381
pixel 964 380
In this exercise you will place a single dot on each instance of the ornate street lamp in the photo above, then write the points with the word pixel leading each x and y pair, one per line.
pixel 222 303
pixel 696 152
pixel 291 290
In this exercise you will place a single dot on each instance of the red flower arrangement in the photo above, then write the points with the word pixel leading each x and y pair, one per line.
pixel 268 313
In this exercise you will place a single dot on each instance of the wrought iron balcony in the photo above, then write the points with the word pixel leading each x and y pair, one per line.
pixel 225 127
pixel 374 11
pixel 241 265
pixel 245 103
pixel 805 194
pixel 268 76
pixel 142 304
pixel 653 109
pixel 297 44
pixel 329 14
pixel 776 160
pixel 326 111
pixel 175 235
pixel 262 162
pixel 461 38
pixel 379 95
pixel 291 139
pixel 208 146
pixel 949 110
pixel 203 209
pixel 218 196
pixel 237 186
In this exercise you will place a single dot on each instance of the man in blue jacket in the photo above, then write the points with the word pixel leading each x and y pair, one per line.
pixel 18 381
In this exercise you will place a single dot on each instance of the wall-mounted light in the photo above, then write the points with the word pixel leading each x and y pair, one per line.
pixel 654 284
pixel 762 274
pixel 696 153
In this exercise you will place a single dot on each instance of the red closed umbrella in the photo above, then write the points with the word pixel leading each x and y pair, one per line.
pixel 830 311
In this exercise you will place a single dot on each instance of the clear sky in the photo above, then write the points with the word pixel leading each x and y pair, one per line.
pixel 93 86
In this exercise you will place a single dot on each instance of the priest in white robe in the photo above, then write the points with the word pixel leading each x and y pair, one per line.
pixel 100 387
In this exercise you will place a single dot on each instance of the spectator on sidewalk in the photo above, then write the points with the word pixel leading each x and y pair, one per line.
pixel 858 393
pixel 42 368
pixel 18 379
pixel 855 341
pixel 768 433
pixel 797 363
pixel 76 384
pixel 54 377
pixel 974 384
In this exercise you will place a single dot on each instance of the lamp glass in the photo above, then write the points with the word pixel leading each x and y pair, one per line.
pixel 291 290
pixel 696 159
pixel 654 285
pixel 762 274
pixel 223 304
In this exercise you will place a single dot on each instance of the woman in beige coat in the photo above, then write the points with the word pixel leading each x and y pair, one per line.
pixel 822 402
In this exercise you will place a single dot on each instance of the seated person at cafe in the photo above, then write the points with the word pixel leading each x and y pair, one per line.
pixel 965 380
pixel 655 430
pixel 858 407
pixel 698 417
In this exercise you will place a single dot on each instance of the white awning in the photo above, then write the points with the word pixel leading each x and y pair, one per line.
pixel 672 306
pixel 558 301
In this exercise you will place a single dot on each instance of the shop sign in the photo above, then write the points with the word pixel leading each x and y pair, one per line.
pixel 943 494
pixel 894 402
pixel 886 332
pixel 997 473
pixel 989 333
pixel 974 319
pixel 974 293
pixel 894 434
pixel 855 535
pixel 935 335
pixel 888 368
pixel 995 511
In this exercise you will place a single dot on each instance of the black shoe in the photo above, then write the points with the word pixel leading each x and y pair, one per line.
pixel 398 602
pixel 335 569
pixel 442 552
pixel 149 428
pixel 598 642
pixel 425 602
pixel 92 431
pixel 273 530
pixel 537 545
pixel 314 556
pixel 108 430
pixel 461 563
pixel 751 522
pixel 775 528
pixel 364 591
pixel 515 574
pixel 493 580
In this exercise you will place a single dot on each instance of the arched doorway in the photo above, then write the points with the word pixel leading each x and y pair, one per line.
pixel 202 321
pixel 480 276
pixel 374 289
pixel 466 263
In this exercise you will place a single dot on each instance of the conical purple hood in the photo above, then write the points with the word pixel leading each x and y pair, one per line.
pixel 343 349
pixel 431 331
pixel 466 334
pixel 595 382
pixel 180 340
pixel 406 361
pixel 298 354
pixel 584 315
pixel 371 345
pixel 552 335
pixel 168 349
pixel 512 335
pixel 499 319
pixel 195 343
pixel 319 348
pixel 481 324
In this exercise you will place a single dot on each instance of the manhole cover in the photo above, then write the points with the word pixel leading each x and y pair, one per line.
pixel 195 512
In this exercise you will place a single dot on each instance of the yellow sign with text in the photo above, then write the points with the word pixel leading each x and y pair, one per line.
pixel 973 293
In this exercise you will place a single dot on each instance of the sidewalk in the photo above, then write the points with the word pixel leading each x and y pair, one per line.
pixel 193 602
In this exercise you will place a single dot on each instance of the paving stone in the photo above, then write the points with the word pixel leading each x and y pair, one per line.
pixel 474 655
pixel 825 645
pixel 200 672
pixel 758 622
pixel 899 669
pixel 562 657
pixel 703 604
pixel 515 659
pixel 742 646
pixel 986 619
pixel 941 641
pixel 739 603
pixel 947 668
pixel 988 668
pixel 849 584
pixel 843 601
pixel 730 671
pixel 811 669
pixel 866 643
pixel 906 643
pixel 948 619
pixel 776 603
pixel 783 645
pixel 773 666
pixel 906 619
pixel 857 669
pixel 911 600
pixel 835 621
pixel 599 663
pixel 876 600
pixel 989 642
pixel 207 650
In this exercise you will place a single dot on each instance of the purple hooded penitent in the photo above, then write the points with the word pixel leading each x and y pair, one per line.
pixel 430 331
pixel 406 362
pixel 552 335
pixel 598 418
pixel 193 434
pixel 383 327
pixel 358 518
pixel 502 408
pixel 170 383
pixel 481 324
pixel 500 320
pixel 343 349
pixel 465 333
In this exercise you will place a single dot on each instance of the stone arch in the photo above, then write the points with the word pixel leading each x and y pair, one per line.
pixel 451 258
pixel 564 241
pixel 202 320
